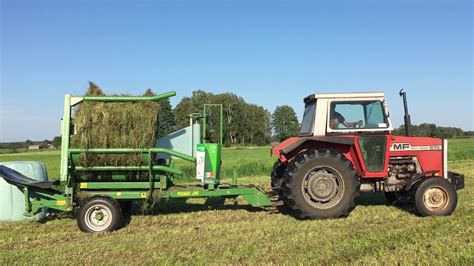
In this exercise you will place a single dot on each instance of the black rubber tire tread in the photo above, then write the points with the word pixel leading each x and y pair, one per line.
pixel 115 209
pixel 126 207
pixel 431 182
pixel 293 194
pixel 277 176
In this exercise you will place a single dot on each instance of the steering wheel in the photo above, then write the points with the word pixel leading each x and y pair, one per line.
pixel 358 124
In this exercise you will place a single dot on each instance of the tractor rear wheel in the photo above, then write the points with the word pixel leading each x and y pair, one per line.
pixel 99 214
pixel 435 196
pixel 277 177
pixel 320 184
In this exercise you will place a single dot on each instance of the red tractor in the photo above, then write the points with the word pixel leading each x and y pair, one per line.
pixel 345 147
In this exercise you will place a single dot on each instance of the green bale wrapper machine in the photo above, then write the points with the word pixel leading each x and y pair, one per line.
pixel 98 194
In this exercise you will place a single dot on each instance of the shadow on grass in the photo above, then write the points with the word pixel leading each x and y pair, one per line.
pixel 172 206
pixel 378 198
pixel 372 199
pixel 175 206
pixel 365 199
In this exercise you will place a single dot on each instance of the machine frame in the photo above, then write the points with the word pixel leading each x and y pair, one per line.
pixel 160 177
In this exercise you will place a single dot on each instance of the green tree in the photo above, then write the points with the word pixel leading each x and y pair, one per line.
pixel 166 121
pixel 28 142
pixel 430 130
pixel 182 111
pixel 244 124
pixel 233 116
pixel 257 122
pixel 284 123
pixel 57 142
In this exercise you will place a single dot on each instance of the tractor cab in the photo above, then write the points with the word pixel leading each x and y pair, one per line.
pixel 345 113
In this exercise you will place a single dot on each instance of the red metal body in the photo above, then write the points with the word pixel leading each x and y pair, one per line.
pixel 428 151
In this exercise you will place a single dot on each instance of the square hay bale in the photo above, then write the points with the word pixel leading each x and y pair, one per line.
pixel 114 125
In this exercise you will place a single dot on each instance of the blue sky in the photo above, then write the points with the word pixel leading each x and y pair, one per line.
pixel 269 52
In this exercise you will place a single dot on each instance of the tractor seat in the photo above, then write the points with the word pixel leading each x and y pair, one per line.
pixel 17 179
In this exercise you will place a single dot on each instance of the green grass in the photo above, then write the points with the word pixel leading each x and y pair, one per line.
pixel 461 149
pixel 50 158
pixel 209 232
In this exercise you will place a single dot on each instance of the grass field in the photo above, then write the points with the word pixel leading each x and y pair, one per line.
pixel 209 232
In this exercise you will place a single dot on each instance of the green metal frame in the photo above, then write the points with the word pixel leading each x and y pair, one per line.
pixel 36 199
pixel 253 196
pixel 70 102
pixel 159 183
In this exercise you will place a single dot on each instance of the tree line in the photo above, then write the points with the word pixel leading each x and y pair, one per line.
pixel 432 130
pixel 44 144
pixel 244 124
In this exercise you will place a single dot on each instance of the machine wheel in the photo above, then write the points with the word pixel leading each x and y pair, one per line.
pixel 321 184
pixel 435 196
pixel 99 214
pixel 277 177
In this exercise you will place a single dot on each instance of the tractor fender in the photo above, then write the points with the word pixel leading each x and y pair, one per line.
pixel 288 149
pixel 419 177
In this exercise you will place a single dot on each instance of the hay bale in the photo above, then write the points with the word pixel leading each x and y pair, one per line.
pixel 114 125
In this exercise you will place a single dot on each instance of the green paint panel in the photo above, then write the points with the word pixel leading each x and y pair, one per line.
pixel 117 185
pixel 210 155
pixel 253 196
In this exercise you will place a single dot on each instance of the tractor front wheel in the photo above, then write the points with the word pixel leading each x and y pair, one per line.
pixel 99 214
pixel 435 196
pixel 320 184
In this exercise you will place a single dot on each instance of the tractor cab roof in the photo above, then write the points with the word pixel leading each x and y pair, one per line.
pixel 343 95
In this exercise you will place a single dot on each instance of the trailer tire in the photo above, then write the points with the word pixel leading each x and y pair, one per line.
pixel 435 196
pixel 320 184
pixel 99 214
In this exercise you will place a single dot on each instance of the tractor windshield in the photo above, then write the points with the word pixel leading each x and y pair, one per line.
pixel 308 118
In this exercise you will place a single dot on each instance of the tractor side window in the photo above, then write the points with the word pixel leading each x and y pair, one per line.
pixel 374 115
pixel 308 118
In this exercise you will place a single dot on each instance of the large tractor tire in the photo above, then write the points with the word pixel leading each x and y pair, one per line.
pixel 435 196
pixel 320 184
pixel 277 177
pixel 99 214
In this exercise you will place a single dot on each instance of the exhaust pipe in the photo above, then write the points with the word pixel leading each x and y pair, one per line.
pixel 407 115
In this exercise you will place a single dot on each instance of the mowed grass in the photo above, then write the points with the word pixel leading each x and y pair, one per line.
pixel 202 231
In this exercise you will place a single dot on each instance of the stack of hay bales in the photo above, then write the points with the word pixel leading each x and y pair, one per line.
pixel 114 125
